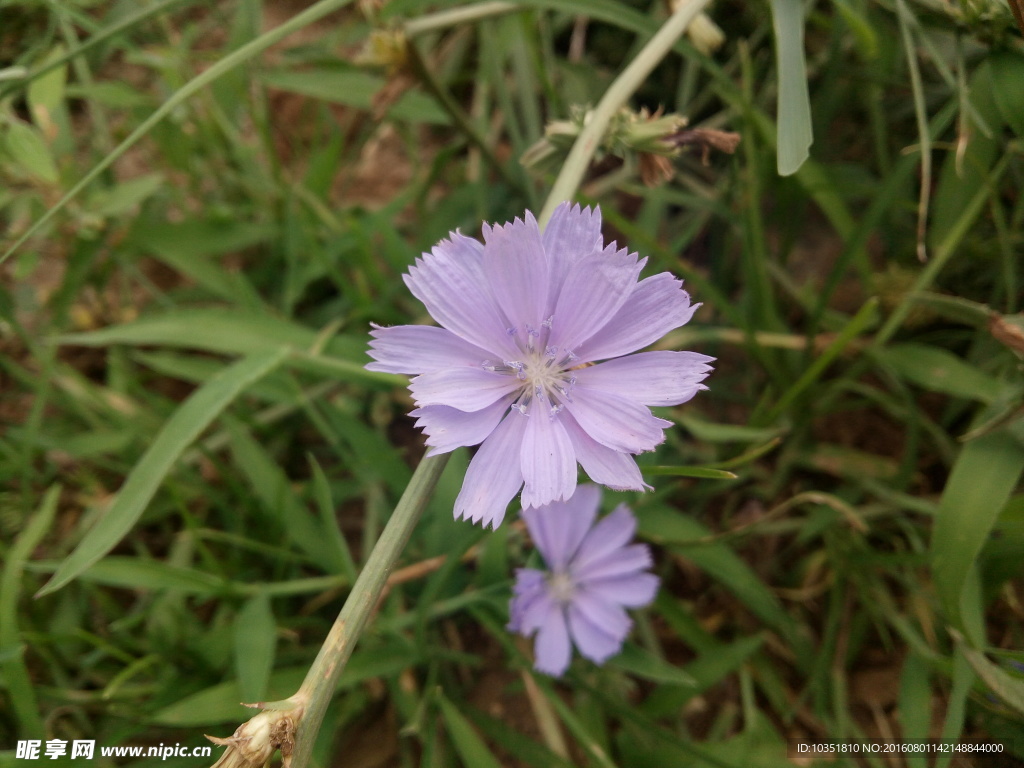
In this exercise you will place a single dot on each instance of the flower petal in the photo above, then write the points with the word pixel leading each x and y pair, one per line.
pixel 571 234
pixel 594 642
pixel 611 618
pixel 656 306
pixel 449 428
pixel 548 460
pixel 552 650
pixel 468 389
pixel 611 534
pixel 516 269
pixel 450 282
pixel 530 603
pixel 650 378
pixel 632 591
pixel 621 562
pixel 615 422
pixel 603 465
pixel 594 290
pixel 420 349
pixel 559 527
pixel 494 476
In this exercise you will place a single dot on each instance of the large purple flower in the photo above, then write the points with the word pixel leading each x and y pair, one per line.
pixel 514 368
pixel 594 573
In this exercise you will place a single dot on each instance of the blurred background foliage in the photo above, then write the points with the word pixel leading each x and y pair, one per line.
pixel 190 330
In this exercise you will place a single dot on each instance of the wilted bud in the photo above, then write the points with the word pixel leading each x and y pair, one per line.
pixel 706 36
pixel 254 742
pixel 1008 330
pixel 385 49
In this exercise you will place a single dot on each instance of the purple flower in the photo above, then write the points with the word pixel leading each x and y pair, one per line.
pixel 594 573
pixel 514 368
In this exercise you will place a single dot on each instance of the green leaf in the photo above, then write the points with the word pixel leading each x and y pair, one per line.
pixel 27 148
pixel 982 479
pixel 665 526
pixel 273 489
pixel 255 642
pixel 220 703
pixel 13 669
pixel 355 88
pixel 1007 687
pixel 794 104
pixel 1007 75
pixel 135 573
pixel 939 370
pixel 473 751
pixel 184 426
pixel 189 246
pixel 46 93
pixel 709 432
pixel 526 750
pixel 645 664
pixel 706 473
pixel 122 198
pixel 965 176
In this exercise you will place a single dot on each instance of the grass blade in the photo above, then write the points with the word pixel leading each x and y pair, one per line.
pixel 184 426
pixel 983 477
pixel 17 680
pixel 794 110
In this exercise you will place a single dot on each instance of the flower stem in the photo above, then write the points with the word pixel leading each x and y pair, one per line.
pixel 450 18
pixel 615 97
pixel 321 680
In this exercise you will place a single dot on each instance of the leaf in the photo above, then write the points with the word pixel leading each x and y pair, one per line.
pixel 939 370
pixel 188 247
pixel 17 680
pixel 794 105
pixel 273 489
pixel 136 574
pixel 124 197
pixel 1007 687
pixel 357 89
pixel 706 473
pixel 180 430
pixel 662 525
pixel 240 332
pixel 526 750
pixel 980 483
pixel 46 94
pixel 255 634
pixel 709 432
pixel 1007 75
pixel 965 175
pixel 643 663
pixel 26 146
pixel 473 751
pixel 220 703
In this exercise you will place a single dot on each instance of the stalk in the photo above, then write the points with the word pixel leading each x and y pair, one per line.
pixel 615 97
pixel 292 725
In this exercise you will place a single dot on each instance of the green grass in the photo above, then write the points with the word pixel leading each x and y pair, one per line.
pixel 203 220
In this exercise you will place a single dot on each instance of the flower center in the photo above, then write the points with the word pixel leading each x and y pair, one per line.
pixel 561 587
pixel 546 372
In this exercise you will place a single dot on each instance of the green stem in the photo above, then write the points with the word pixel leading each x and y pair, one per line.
pixel 321 680
pixel 248 51
pixel 455 16
pixel 615 97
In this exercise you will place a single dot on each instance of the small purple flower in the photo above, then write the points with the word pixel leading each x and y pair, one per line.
pixel 514 367
pixel 594 574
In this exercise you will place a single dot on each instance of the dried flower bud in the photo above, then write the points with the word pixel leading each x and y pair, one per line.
pixel 1008 330
pixel 254 742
